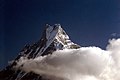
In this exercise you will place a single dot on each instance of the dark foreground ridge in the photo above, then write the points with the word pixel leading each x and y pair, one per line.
pixel 53 38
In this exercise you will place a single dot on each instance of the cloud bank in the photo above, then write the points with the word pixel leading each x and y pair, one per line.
pixel 85 63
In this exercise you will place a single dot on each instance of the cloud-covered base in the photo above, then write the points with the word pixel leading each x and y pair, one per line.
pixel 85 63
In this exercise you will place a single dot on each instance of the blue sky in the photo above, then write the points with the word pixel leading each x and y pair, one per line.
pixel 87 22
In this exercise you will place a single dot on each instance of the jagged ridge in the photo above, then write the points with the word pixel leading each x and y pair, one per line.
pixel 53 38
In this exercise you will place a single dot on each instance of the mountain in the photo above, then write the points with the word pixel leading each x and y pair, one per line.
pixel 53 38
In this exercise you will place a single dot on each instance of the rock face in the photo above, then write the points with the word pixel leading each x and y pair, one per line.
pixel 53 38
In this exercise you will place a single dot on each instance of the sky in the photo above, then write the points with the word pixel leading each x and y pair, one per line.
pixel 87 22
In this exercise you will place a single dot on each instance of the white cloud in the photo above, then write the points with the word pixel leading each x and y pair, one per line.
pixel 115 34
pixel 85 63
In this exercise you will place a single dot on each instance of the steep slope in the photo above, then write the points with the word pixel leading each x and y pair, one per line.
pixel 53 38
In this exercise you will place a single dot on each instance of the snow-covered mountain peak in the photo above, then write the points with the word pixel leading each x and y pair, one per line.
pixel 53 38
pixel 59 36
